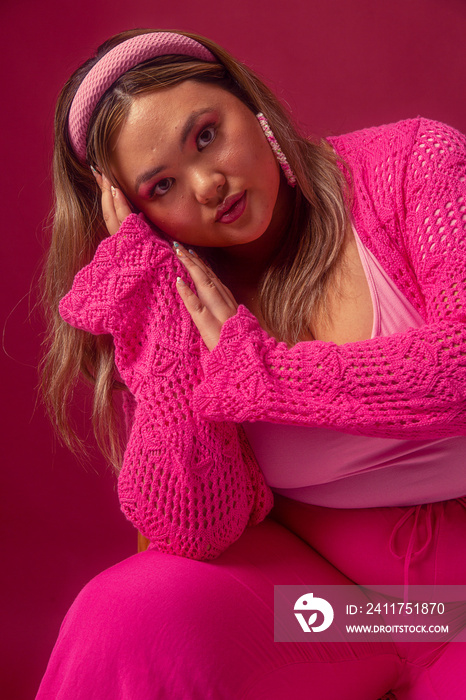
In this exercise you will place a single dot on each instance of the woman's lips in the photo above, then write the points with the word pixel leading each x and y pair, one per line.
pixel 234 210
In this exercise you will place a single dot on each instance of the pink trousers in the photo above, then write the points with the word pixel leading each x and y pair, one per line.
pixel 158 626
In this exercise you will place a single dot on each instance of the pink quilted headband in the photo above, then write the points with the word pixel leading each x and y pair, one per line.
pixel 116 62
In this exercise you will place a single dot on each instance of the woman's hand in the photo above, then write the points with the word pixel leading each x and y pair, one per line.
pixel 215 303
pixel 115 207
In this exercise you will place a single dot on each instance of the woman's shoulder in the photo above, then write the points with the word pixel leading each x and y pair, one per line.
pixel 396 139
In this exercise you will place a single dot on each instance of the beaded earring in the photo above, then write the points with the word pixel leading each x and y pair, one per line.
pixel 285 166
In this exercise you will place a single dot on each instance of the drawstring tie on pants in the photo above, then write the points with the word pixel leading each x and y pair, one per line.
pixel 412 553
pixel 427 510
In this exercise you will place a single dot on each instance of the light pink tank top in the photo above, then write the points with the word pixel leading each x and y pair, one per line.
pixel 334 469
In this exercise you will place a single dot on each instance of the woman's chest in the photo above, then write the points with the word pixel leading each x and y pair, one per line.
pixel 349 312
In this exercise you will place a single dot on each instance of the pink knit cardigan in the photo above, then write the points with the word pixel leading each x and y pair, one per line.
pixel 189 480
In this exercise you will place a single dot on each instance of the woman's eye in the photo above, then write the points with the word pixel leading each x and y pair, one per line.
pixel 163 186
pixel 206 136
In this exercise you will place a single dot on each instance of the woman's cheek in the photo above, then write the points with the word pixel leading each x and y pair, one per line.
pixel 174 220
pixel 178 215
pixel 228 158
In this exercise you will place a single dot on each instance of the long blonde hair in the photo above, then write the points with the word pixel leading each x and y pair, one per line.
pixel 291 291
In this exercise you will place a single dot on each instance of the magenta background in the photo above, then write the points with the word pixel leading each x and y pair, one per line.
pixel 340 65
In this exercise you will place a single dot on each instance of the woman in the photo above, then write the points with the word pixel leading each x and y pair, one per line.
pixel 303 305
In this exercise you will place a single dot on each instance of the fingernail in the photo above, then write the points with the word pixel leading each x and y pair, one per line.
pixel 176 244
pixel 94 171
pixel 113 191
pixel 179 280
pixel 192 252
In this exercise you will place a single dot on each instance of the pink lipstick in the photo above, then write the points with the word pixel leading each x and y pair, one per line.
pixel 231 208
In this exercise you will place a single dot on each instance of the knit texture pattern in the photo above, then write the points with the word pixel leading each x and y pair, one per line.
pixel 410 211
pixel 190 481
pixel 189 484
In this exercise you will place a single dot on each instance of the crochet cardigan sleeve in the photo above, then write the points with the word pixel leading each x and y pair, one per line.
pixel 406 385
pixel 187 483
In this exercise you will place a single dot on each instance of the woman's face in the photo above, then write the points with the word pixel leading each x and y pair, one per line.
pixel 194 159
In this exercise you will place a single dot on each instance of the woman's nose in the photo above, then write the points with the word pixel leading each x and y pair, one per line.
pixel 208 186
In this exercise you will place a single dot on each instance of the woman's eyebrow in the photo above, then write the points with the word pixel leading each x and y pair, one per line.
pixel 144 177
pixel 190 122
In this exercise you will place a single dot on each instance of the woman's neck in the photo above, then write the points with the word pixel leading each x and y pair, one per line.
pixel 242 266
